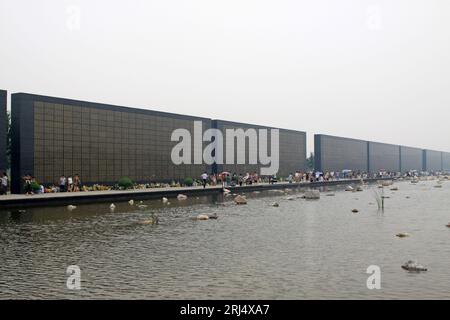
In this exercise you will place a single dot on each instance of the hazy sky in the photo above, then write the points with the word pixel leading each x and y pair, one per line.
pixel 376 70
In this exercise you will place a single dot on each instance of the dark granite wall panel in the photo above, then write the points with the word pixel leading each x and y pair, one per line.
pixel 337 153
pixel 292 149
pixel 446 161
pixel 3 130
pixel 433 160
pixel 101 143
pixel 384 156
pixel 411 159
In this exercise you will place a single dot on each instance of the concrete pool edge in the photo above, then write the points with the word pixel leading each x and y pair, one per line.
pixel 58 199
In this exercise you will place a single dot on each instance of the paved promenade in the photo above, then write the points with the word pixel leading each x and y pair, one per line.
pixel 66 198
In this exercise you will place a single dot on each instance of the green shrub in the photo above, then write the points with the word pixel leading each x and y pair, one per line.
pixel 125 183
pixel 35 186
pixel 188 182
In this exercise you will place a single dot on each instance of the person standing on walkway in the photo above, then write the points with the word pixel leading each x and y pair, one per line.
pixel 4 184
pixel 204 177
pixel 76 183
pixel 69 184
pixel 62 184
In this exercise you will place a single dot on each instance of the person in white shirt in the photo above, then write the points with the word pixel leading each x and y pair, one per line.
pixel 4 184
pixel 204 178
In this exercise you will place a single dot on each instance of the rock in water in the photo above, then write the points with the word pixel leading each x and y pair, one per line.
pixel 202 217
pixel 387 183
pixel 394 189
pixel 131 202
pixel 413 266
pixel 147 222
pixel 275 204
pixel 312 194
pixel 181 197
pixel 226 191
pixel 402 235
pixel 142 206
pixel 240 200
pixel 71 207
pixel 290 198
pixel 355 210
pixel 165 200
pixel 438 186
pixel 359 189
pixel 349 188
pixel 112 207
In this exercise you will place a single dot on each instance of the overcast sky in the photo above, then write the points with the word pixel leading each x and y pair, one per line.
pixel 376 70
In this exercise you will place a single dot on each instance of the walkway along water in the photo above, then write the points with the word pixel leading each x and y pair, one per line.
pixel 74 198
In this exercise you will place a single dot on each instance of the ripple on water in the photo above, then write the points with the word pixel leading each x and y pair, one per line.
pixel 301 249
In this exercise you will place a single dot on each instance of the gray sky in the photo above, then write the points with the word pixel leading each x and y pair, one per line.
pixel 376 70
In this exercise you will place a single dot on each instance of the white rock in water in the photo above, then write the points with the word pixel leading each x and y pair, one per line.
pixel 290 198
pixel 387 183
pixel 202 217
pixel 349 188
pixel 131 202
pixel 181 197
pixel 240 200
pixel 312 194
pixel 149 221
pixel 112 206
pixel 226 191
pixel 71 207
pixel 165 200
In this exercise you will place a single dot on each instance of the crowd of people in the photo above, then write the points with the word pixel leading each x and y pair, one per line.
pixel 66 184
pixel 235 179
pixel 224 179
pixel 228 179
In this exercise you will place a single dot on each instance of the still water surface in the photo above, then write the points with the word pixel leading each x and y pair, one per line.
pixel 300 250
